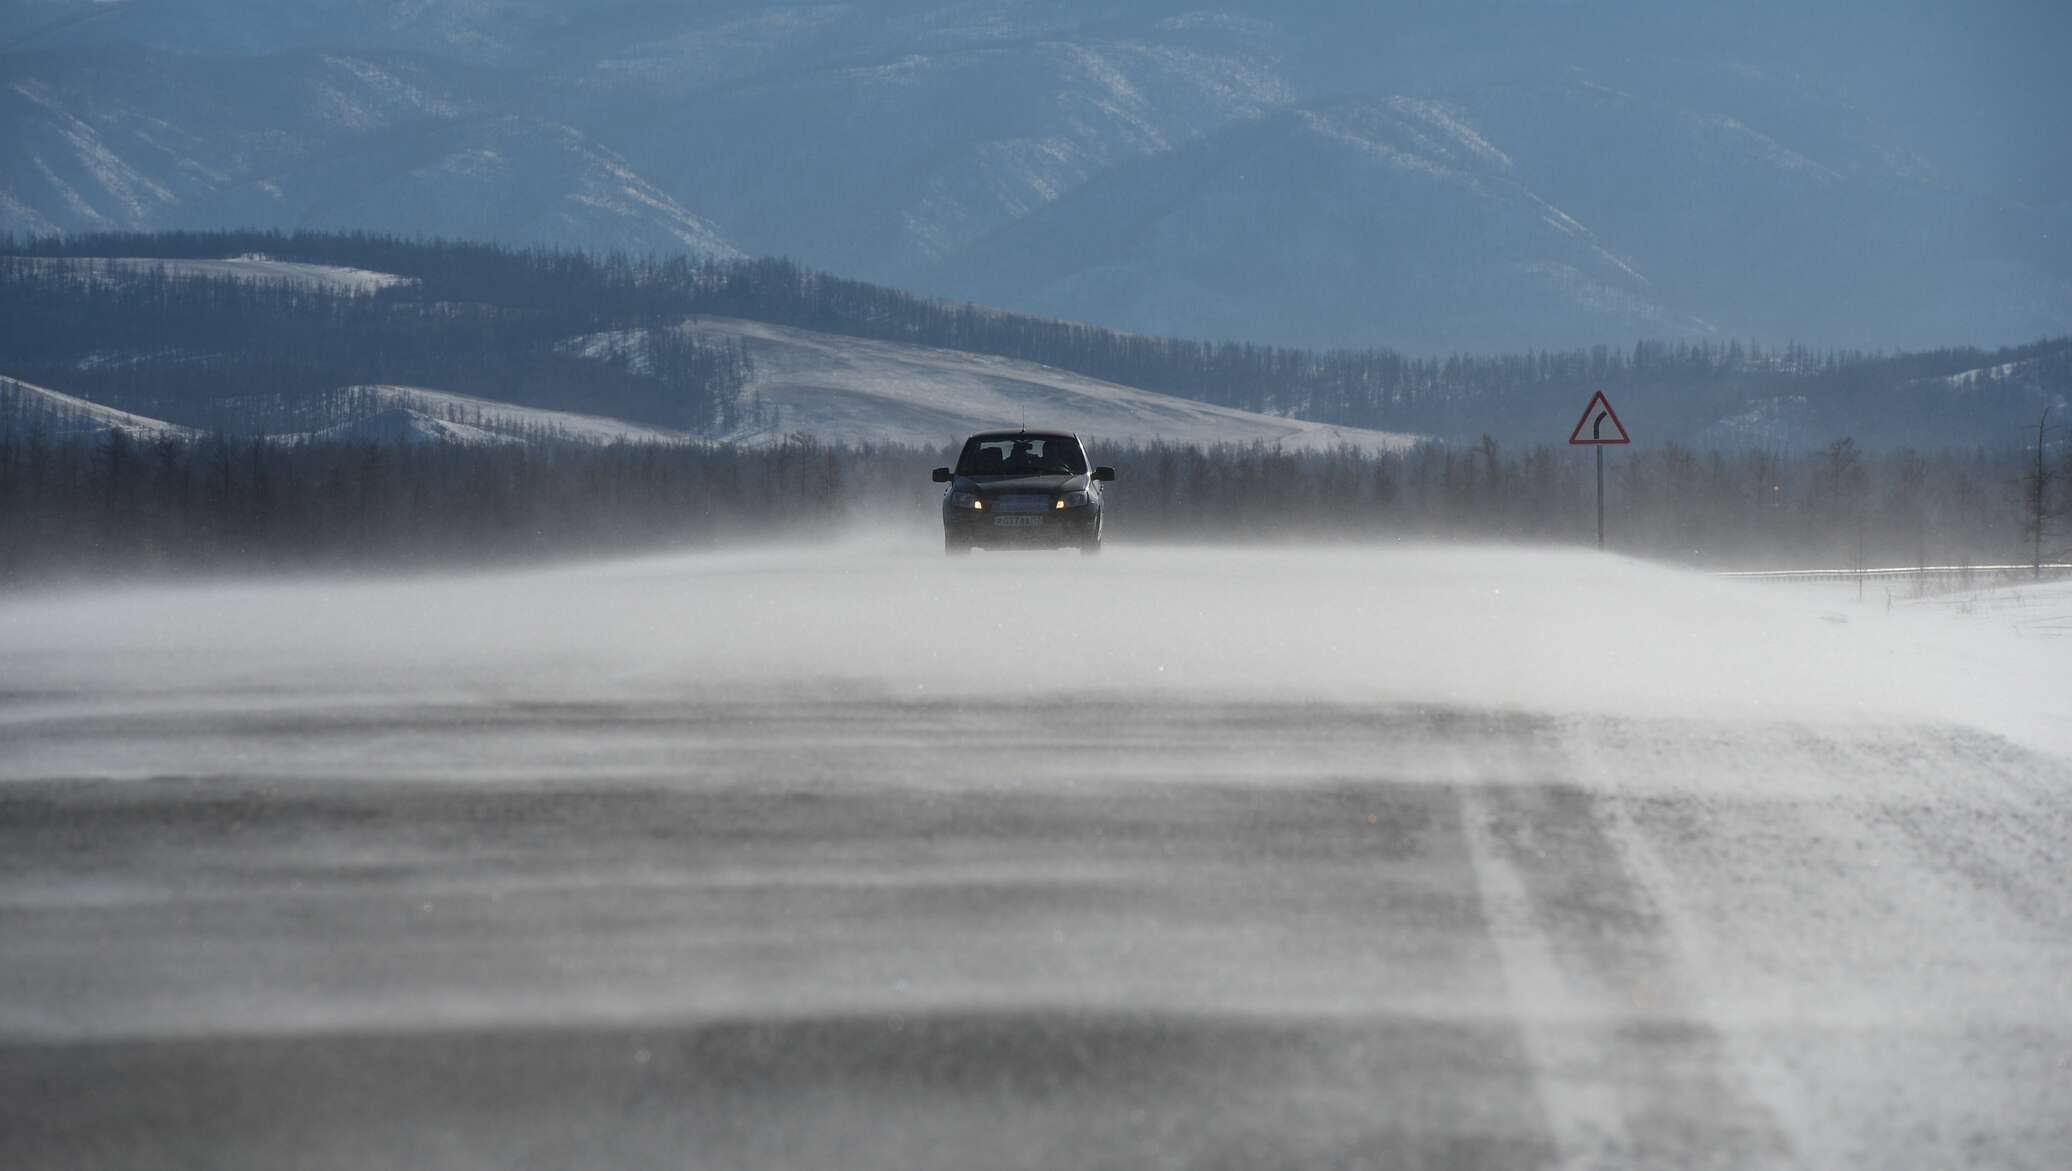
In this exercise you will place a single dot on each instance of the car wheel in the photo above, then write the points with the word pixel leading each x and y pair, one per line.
pixel 1090 548
pixel 953 547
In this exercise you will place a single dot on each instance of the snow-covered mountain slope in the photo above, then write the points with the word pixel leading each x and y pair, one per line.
pixel 1389 217
pixel 511 177
pixel 1986 376
pixel 850 390
pixel 57 415
pixel 504 421
pixel 329 277
pixel 410 414
pixel 835 389
pixel 892 161
pixel 402 425
pixel 124 137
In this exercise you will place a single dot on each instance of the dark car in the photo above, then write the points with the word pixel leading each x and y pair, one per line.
pixel 1022 489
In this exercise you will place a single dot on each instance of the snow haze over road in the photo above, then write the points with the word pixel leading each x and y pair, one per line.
pixel 859 857
pixel 1555 632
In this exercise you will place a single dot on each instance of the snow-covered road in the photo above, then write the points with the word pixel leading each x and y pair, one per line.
pixel 1193 858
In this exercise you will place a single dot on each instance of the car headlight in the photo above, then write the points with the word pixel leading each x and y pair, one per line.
pixel 968 500
pixel 1072 500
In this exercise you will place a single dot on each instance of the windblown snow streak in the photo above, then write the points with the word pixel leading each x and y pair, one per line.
pixel 853 857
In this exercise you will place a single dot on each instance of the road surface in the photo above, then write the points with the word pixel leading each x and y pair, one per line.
pixel 1191 859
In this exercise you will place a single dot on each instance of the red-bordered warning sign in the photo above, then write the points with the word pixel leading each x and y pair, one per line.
pixel 1599 427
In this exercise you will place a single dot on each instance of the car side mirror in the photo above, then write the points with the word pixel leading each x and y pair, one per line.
pixel 940 475
pixel 1104 473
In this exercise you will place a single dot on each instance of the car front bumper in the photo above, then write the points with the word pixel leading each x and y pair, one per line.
pixel 1064 526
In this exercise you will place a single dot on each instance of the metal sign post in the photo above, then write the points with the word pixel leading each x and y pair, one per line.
pixel 1595 416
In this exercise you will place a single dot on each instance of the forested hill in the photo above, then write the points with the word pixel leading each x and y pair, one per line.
pixel 206 350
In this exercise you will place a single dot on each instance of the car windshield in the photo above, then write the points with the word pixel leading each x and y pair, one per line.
pixel 1022 455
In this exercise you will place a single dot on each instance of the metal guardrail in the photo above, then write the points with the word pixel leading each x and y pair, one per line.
pixel 1943 576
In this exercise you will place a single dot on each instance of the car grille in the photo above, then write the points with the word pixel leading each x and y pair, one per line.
pixel 1021 503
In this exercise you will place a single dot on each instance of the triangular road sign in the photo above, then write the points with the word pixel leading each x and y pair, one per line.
pixel 1598 427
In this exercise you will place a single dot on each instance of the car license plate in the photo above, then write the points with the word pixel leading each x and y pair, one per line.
pixel 1017 522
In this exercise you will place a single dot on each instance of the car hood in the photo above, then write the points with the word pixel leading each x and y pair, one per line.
pixel 1007 485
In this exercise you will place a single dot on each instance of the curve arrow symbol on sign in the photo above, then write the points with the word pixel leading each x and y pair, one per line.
pixel 1594 416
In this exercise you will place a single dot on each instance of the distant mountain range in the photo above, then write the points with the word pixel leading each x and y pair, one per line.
pixel 1500 175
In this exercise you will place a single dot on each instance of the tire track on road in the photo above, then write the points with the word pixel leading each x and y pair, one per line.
pixel 1630 1072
